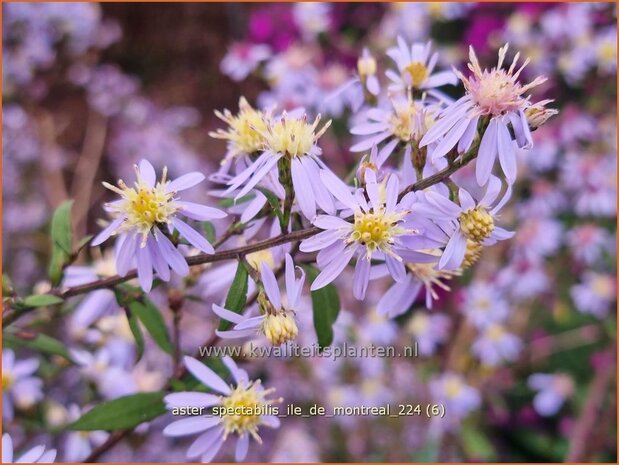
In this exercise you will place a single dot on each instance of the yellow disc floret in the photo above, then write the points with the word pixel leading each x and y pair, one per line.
pixel 293 137
pixel 245 129
pixel 7 381
pixel 280 327
pixel 472 254
pixel 243 409
pixel 476 224
pixel 144 206
pixel 418 73
pixel 376 230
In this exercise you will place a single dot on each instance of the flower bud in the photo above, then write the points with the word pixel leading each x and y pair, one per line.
pixel 280 328
pixel 538 114
pixel 366 65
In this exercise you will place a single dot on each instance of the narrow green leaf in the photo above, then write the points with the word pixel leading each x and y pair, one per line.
pixel 56 265
pixel 237 295
pixel 7 285
pixel 41 300
pixel 134 326
pixel 229 201
pixel 151 318
pixel 273 202
pixel 40 343
pixel 83 242
pixel 476 445
pixel 61 226
pixel 209 230
pixel 325 306
pixel 122 413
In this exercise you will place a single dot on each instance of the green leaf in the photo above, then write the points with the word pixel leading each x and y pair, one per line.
pixel 41 300
pixel 134 326
pixel 151 318
pixel 325 306
pixel 40 343
pixel 83 242
pixel 476 445
pixel 209 230
pixel 7 285
pixel 61 227
pixel 229 201
pixel 237 295
pixel 122 413
pixel 273 202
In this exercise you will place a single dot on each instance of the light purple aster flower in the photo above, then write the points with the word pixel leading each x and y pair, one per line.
pixel 416 68
pixel 276 321
pixel 458 397
pixel 292 140
pixel 243 58
pixel 241 410
pixel 484 304
pixel 497 95
pixel 428 331
pixel 588 242
pixel 470 221
pixel 552 391
pixel 495 345
pixel 145 215
pixel 364 81
pixel 19 387
pixel 375 232
pixel 596 294
pixel 35 455
pixel 79 444
pixel 405 122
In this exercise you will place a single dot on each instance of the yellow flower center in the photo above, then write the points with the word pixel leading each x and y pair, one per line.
pixel 476 224
pixel 419 324
pixel 472 254
pixel 7 381
pixel 603 286
pixel 280 327
pixel 417 72
pixel 144 206
pixel 243 409
pixel 430 275
pixel 244 129
pixel 453 387
pixel 261 256
pixel 607 52
pixel 495 332
pixel 376 230
pixel 293 137
pixel 403 122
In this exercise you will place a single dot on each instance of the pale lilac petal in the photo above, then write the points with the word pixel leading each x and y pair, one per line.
pixel 502 234
pixel 321 194
pixel 247 172
pixel 108 231
pixel 145 269
pixel 319 241
pixel 454 252
pixel 270 420
pixel 329 253
pixel 507 153
pixel 396 268
pixel 397 299
pixel 185 182
pixel 331 222
pixel 200 212
pixel 126 254
pixel 365 129
pixel 204 442
pixel 373 85
pixel 333 269
pixel 242 445
pixel 253 207
pixel 259 174
pixel 450 140
pixel 392 191
pixel 367 144
pixel 303 190
pixel 440 79
pixel 387 150
pixel 33 455
pixel 239 375
pixel 456 112
pixel 361 278
pixel 466 200
pixel 194 237
pixel 443 204
pixel 193 399
pixel 506 196
pixel 227 314
pixel 206 376
pixel 270 285
pixel 291 282
pixel 161 267
pixel 171 254
pixel 48 457
pixel 190 425
pixel 250 323
pixel 235 333
pixel 339 190
pixel 210 454
pixel 492 192
pixel 467 138
pixel 147 173
pixel 487 153
pixel 372 190
pixel 7 448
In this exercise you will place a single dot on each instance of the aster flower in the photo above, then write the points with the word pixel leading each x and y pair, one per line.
pixel 404 123
pixel 35 455
pixel 79 444
pixel 469 221
pixel 375 232
pixel 365 81
pixel 244 408
pixel 484 304
pixel 19 385
pixel 495 344
pixel 243 58
pixel 495 95
pixel 243 134
pixel 596 294
pixel 276 321
pixel 552 392
pixel 293 141
pixel 428 331
pixel 416 67
pixel 142 215
pixel 458 397
pixel 588 242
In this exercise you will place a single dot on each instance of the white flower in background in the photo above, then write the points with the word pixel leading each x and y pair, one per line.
pixel 19 387
pixel 35 455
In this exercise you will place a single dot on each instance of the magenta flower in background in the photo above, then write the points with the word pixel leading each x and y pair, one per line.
pixel 215 429
pixel 143 218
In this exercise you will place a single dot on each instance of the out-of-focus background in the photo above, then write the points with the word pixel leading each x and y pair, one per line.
pixel 90 89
